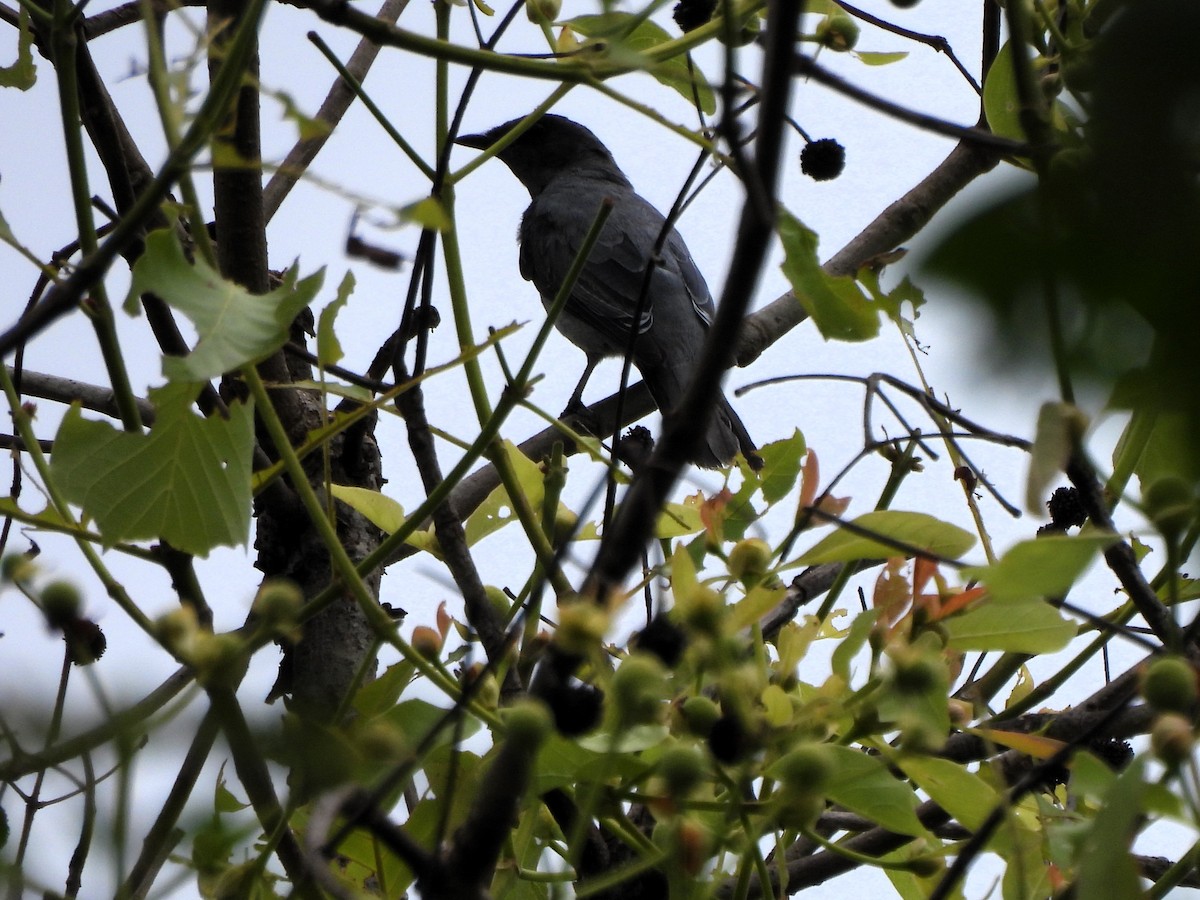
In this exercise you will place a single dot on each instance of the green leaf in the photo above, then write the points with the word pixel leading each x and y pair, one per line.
pixel 1107 870
pixel 878 58
pixel 631 740
pixel 22 74
pixel 837 305
pixel 308 127
pixel 1001 102
pixel 912 529
pixel 1169 449
pixel 564 762
pixel 966 796
pixel 418 718
pixel 677 520
pixel 1020 626
pixel 48 518
pixel 236 327
pixel 757 603
pixel 382 694
pixel 329 348
pixel 428 213
pixel 628 47
pixel 893 302
pixel 781 466
pixel 1043 567
pixel 382 512
pixel 683 573
pixel 855 640
pixel 497 510
pixel 1059 427
pixel 864 785
pixel 186 482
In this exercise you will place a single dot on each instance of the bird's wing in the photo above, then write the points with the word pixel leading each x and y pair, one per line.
pixel 606 293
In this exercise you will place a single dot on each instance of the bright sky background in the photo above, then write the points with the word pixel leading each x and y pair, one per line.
pixel 884 159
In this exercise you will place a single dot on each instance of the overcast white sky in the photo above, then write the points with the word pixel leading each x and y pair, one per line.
pixel 884 158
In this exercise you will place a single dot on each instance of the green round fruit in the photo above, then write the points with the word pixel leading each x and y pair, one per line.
pixel 838 32
pixel 529 723
pixel 61 603
pixel 806 769
pixel 681 768
pixel 639 689
pixel 701 714
pixel 1169 684
pixel 278 602
pixel 916 673
pixel 749 559
pixel 542 10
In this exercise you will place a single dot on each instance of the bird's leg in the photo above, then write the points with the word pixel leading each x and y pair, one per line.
pixel 575 406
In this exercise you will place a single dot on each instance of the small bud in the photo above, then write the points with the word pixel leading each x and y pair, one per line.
pixel 961 712
pixel 499 600
pixel 694 845
pixel 427 641
pixel 382 741
pixel 177 631
pixel 17 567
pixel 217 659
pixel 61 603
pixel 540 11
pixel 277 604
pixel 581 627
pixel 1172 739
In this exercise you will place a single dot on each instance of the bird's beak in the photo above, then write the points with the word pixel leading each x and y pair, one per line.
pixel 478 141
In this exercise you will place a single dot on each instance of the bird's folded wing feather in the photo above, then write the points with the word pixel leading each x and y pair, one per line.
pixel 607 290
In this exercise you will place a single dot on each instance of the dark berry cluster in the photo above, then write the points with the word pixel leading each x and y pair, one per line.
pixel 822 160
pixel 691 14
pixel 1066 508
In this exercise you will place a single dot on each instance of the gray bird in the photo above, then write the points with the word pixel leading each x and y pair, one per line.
pixel 569 173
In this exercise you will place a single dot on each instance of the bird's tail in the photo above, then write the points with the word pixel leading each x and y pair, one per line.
pixel 726 435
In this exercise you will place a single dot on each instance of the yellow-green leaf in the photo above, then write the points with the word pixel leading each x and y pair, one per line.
pixel 966 796
pixel 908 529
pixel 1045 567
pixel 383 512
pixel 1015 626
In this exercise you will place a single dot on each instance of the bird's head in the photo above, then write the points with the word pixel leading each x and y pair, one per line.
pixel 548 148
